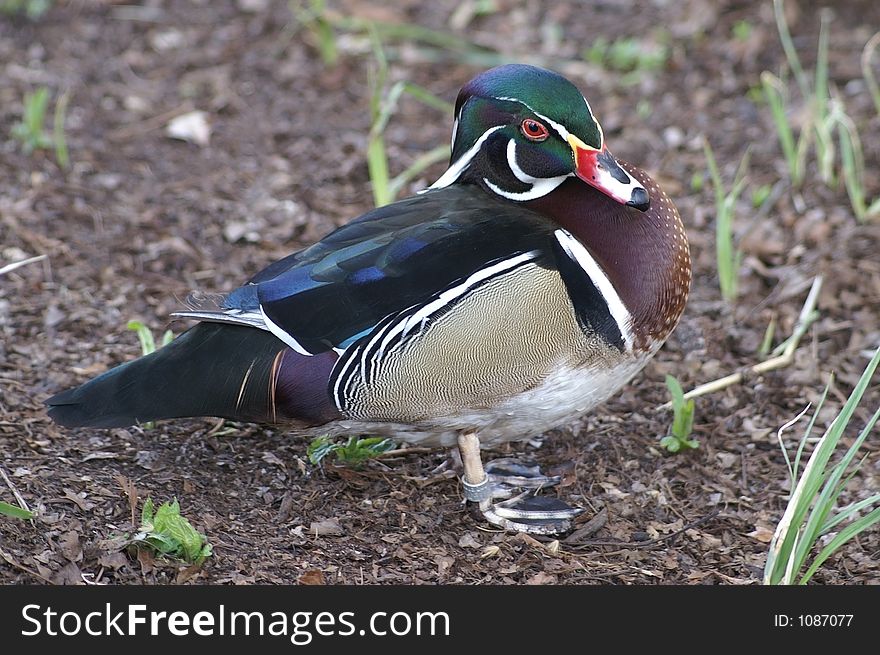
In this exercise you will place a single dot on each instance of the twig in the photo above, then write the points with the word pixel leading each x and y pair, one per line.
pixel 30 260
pixel 805 319
pixel 405 451
pixel 18 497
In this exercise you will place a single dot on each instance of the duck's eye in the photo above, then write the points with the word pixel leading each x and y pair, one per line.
pixel 533 130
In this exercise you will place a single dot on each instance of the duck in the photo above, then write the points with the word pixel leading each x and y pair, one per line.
pixel 528 284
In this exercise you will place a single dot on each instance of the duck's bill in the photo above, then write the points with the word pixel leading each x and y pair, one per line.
pixel 599 169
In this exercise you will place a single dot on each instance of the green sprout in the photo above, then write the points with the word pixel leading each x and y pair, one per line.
pixel 742 30
pixel 812 511
pixel 761 195
pixel 682 420
pixel 166 532
pixel 148 344
pixel 354 452
pixel 31 130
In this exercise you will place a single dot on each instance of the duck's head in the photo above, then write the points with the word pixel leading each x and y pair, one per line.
pixel 521 131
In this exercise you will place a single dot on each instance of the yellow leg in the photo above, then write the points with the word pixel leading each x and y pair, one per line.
pixel 469 447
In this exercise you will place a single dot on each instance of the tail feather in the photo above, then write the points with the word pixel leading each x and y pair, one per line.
pixel 212 369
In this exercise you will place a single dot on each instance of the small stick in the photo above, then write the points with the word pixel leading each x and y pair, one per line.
pixel 30 260
pixel 805 319
pixel 405 451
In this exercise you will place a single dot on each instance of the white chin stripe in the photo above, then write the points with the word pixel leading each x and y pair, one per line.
pixel 459 165
pixel 284 336
pixel 579 254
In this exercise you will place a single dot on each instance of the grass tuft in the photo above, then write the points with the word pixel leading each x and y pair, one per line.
pixel 826 129
pixel 812 513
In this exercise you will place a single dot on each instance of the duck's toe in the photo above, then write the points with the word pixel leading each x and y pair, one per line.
pixel 531 514
pixel 509 475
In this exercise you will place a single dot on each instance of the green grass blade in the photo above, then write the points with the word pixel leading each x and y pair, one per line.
pixel 821 123
pixel 824 503
pixel 767 341
pixel 853 166
pixel 62 156
pixel 868 71
pixel 809 431
pixel 377 163
pixel 422 162
pixel 788 47
pixel 850 531
pixel 774 94
pixel 424 96
pixel 35 110
pixel 848 511
pixel 14 511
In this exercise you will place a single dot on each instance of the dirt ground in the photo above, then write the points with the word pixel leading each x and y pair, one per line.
pixel 140 219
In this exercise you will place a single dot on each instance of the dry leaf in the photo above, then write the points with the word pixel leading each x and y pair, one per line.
pixel 312 577
pixel 326 527
pixel 541 578
pixel 69 546
pixel 762 534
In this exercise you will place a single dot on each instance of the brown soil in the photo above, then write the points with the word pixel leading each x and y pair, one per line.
pixel 140 219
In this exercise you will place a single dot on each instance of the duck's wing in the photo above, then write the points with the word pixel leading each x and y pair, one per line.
pixel 424 251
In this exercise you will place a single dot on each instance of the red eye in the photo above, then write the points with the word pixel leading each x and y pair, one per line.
pixel 534 130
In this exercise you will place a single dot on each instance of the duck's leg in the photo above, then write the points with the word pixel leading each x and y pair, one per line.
pixel 525 512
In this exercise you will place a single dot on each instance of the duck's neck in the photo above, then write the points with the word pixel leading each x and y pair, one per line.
pixel 644 254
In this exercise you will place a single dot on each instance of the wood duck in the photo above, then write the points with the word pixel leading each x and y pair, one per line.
pixel 525 286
